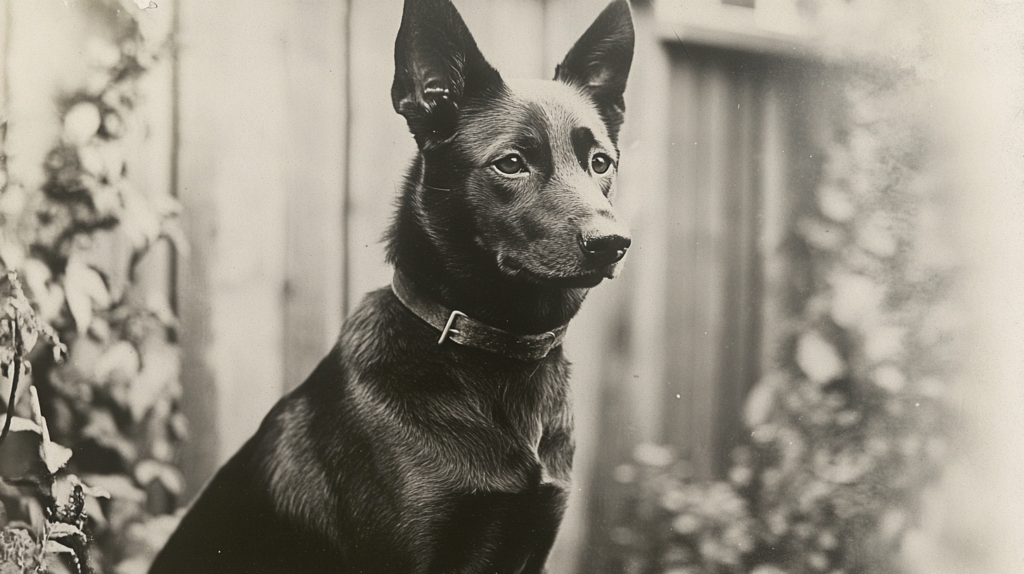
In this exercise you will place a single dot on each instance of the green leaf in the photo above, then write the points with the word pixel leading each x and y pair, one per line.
pixel 53 547
pixel 120 360
pixel 95 491
pixel 161 366
pixel 84 289
pixel 139 221
pixel 110 252
pixel 47 295
pixel 55 456
pixel 95 513
pixel 761 400
pixel 102 428
pixel 13 254
pixel 118 486
pixel 149 470
pixel 818 358
pixel 36 514
pixel 63 530
pixel 19 424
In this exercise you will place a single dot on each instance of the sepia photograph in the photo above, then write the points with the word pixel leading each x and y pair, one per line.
pixel 512 286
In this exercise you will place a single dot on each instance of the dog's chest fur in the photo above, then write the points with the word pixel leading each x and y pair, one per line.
pixel 474 453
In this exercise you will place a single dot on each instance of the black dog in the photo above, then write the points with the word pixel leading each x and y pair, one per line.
pixel 437 435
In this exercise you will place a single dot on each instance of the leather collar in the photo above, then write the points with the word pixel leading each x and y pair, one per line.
pixel 457 327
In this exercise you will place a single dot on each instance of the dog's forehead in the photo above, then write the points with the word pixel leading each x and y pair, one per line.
pixel 531 111
pixel 560 102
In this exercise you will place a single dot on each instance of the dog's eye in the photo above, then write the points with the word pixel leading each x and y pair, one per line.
pixel 510 164
pixel 600 163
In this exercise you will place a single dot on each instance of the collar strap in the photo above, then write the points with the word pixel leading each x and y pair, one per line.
pixel 457 327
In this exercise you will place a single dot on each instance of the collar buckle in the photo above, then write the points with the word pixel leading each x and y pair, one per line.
pixel 448 326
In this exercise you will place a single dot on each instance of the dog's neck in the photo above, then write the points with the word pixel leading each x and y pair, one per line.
pixel 446 264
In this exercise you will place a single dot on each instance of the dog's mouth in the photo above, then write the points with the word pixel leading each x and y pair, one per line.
pixel 576 281
pixel 583 280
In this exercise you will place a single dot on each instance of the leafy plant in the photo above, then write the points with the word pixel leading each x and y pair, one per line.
pixel 848 425
pixel 77 242
pixel 42 507
pixel 848 429
pixel 670 523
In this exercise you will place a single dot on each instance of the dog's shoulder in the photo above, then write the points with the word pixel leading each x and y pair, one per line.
pixel 291 463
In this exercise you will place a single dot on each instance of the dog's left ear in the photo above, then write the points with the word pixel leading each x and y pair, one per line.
pixel 599 63
pixel 437 66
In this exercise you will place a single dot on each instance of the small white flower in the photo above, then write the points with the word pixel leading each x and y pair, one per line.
pixel 836 204
pixel 81 122
pixel 818 359
pixel 761 401
pixel 686 524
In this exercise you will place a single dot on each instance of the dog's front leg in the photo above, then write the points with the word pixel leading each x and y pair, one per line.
pixel 544 526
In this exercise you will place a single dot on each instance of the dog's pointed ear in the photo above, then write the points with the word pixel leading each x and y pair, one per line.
pixel 437 66
pixel 599 63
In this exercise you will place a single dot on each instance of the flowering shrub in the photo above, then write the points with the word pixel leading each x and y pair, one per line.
pixel 77 242
pixel 672 524
pixel 42 507
pixel 847 426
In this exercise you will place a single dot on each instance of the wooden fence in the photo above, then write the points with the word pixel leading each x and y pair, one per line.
pixel 274 128
pixel 290 156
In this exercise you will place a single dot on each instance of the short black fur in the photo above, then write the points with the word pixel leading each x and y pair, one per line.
pixel 402 455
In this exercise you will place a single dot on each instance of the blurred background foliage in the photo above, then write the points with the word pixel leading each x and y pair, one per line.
pixel 847 430
pixel 75 243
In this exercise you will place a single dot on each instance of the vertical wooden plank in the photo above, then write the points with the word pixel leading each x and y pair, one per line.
pixel 477 14
pixel 681 207
pixel 643 192
pixel 380 145
pixel 598 346
pixel 521 45
pixel 5 95
pixel 618 397
pixel 739 345
pixel 698 273
pixel 775 222
pixel 710 271
pixel 315 77
pixel 233 133
pixel 200 455
pixel 565 21
pixel 510 33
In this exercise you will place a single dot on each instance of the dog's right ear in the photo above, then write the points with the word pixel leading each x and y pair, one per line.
pixel 437 65
pixel 599 63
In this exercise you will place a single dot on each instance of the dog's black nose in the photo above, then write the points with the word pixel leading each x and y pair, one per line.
pixel 604 250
